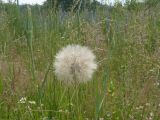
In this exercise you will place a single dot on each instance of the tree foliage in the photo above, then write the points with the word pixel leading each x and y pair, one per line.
pixel 67 5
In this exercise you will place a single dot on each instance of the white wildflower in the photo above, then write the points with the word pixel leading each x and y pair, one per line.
pixel 75 64
pixel 22 100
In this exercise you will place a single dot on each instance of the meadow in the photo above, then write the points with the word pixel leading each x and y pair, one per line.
pixel 125 40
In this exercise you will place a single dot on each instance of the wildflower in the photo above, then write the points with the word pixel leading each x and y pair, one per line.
pixel 22 100
pixel 75 64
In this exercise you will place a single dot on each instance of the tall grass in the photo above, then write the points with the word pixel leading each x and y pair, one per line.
pixel 30 40
pixel 125 40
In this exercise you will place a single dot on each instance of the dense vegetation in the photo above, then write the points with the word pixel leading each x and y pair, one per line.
pixel 125 39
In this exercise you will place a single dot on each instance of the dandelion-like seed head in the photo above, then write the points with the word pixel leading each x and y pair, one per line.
pixel 75 64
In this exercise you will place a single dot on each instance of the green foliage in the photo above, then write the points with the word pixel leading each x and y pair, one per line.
pixel 68 5
pixel 64 4
pixel 152 2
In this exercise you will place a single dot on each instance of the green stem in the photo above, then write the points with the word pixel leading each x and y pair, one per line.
pixel 30 40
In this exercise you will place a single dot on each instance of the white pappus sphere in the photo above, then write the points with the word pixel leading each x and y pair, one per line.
pixel 75 64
